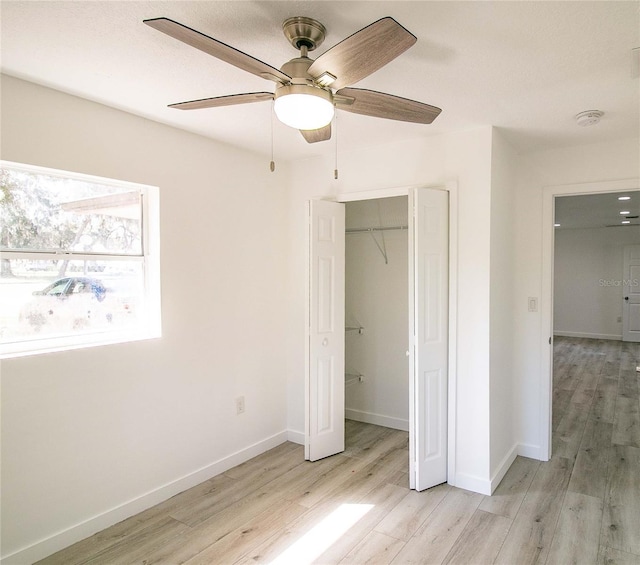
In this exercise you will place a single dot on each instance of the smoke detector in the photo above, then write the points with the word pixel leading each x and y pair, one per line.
pixel 589 118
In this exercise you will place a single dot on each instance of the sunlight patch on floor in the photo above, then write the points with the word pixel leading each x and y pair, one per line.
pixel 321 537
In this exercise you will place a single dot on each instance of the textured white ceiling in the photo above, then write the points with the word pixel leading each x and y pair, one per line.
pixel 526 67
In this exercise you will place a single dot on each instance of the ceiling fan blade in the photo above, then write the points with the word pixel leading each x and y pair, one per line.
pixel 230 100
pixel 363 53
pixel 315 135
pixel 217 49
pixel 381 105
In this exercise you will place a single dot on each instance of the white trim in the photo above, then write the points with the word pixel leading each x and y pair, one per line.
pixel 452 403
pixel 546 299
pixel 504 467
pixel 307 333
pixel 473 483
pixel 373 194
pixel 562 333
pixel 65 538
pixel 65 175
pixel 411 240
pixel 377 419
pixel 295 436
pixel 530 451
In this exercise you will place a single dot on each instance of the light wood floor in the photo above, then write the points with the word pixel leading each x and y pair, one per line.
pixel 581 507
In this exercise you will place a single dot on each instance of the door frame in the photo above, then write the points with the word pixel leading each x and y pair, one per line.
pixel 452 188
pixel 549 195
pixel 626 305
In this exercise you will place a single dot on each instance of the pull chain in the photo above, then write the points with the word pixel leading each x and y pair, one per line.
pixel 335 126
pixel 272 164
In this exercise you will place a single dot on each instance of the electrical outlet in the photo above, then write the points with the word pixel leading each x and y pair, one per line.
pixel 240 405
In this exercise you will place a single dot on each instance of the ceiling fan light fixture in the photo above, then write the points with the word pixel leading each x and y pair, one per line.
pixel 303 107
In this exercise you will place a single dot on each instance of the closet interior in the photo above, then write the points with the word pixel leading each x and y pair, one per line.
pixel 376 312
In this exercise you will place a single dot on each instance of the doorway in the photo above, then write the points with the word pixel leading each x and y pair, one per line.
pixel 551 195
pixel 377 312
pixel 428 314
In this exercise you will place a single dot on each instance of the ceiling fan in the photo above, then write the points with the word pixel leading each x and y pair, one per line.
pixel 307 91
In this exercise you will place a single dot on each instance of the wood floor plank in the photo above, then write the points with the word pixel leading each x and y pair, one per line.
pixel 531 533
pixel 567 437
pixel 604 402
pixel 586 389
pixel 561 401
pixel 358 484
pixel 375 549
pixel 281 457
pixel 589 474
pixel 286 538
pixel 248 487
pixel 378 447
pixel 380 501
pixel 626 426
pixel 628 383
pixel 577 534
pixel 435 538
pixel 610 556
pixel 137 546
pixel 480 541
pixel 621 516
pixel 313 481
pixel 94 545
pixel 411 512
pixel 338 483
pixel 508 497
pixel 239 541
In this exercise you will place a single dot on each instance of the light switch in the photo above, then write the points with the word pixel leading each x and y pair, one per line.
pixel 533 304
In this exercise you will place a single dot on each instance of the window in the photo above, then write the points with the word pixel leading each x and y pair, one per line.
pixel 79 260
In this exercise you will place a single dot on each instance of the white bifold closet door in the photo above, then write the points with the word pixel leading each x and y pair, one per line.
pixel 429 305
pixel 325 380
pixel 428 334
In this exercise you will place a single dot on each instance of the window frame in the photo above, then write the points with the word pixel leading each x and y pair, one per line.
pixel 151 325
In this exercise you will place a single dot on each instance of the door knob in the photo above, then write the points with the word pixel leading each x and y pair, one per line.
pixel 626 298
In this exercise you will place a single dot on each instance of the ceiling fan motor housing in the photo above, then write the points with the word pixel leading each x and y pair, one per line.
pixel 304 32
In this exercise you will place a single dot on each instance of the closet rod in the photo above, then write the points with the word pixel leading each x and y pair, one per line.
pixel 360 230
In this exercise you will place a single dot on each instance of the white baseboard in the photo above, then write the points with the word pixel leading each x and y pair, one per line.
pixel 530 451
pixel 502 469
pixel 65 538
pixel 614 337
pixel 378 419
pixel 295 437
pixel 472 483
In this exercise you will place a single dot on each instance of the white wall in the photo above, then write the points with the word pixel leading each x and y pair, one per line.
pixel 588 279
pixel 463 158
pixel 91 436
pixel 504 441
pixel 602 162
pixel 377 298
